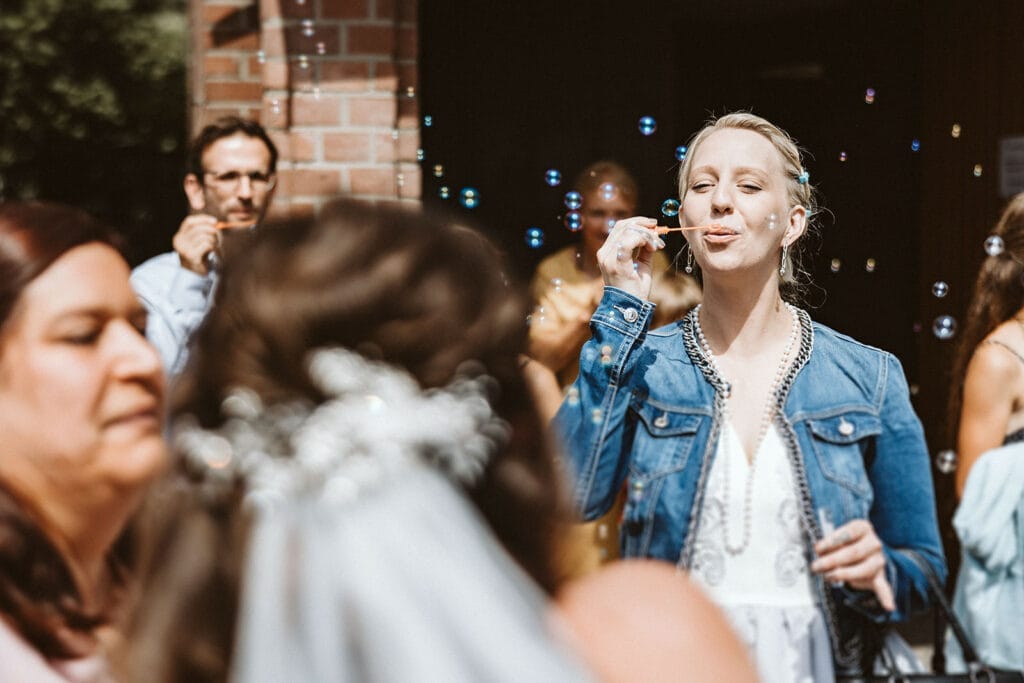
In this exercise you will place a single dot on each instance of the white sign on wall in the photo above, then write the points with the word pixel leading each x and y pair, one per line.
pixel 1011 166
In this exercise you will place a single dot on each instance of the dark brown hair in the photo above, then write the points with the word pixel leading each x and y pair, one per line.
pixel 396 285
pixel 998 296
pixel 225 127
pixel 38 595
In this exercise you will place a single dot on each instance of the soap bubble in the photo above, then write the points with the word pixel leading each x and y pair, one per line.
pixel 303 62
pixel 835 265
pixel 869 96
pixel 944 327
pixel 608 191
pixel 438 170
pixel 574 221
pixel 681 152
pixel 915 145
pixel 556 284
pixel 261 57
pixel 773 221
pixel 444 192
pixel 534 238
pixel 573 200
pixel 994 245
pixel 321 48
pixel 945 461
pixel 940 289
pixel 955 130
pixel 428 121
pixel 670 207
pixel 870 265
pixel 977 170
pixel 410 92
pixel 842 156
pixel 307 27
pixel 647 125
pixel 420 154
pixel 553 177
pixel 469 197
pixel 275 106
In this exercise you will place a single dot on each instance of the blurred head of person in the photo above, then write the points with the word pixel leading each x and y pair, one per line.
pixel 231 170
pixel 81 406
pixel 391 286
pixel 609 194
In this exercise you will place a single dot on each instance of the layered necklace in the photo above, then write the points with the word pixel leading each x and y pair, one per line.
pixel 767 416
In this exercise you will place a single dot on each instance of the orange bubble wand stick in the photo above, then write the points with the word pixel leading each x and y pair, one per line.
pixel 661 229
pixel 228 225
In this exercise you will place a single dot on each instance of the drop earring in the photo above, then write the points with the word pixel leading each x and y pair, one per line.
pixel 689 261
pixel 782 267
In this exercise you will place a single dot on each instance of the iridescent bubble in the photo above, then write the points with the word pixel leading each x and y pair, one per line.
pixel 994 245
pixel 842 156
pixel 609 191
pixel 438 171
pixel 573 200
pixel 940 289
pixel 870 265
pixel 869 96
pixel 307 27
pixel 773 221
pixel 428 121
pixel 303 62
pixel 573 220
pixel 469 197
pixel 556 284
pixel 915 389
pixel 647 125
pixel 835 264
pixel 444 192
pixel 945 461
pixel 681 152
pixel 275 106
pixel 534 238
pixel 977 170
pixel 410 92
pixel 261 57
pixel 915 145
pixel 670 207
pixel 553 177
pixel 944 327
pixel 608 225
pixel 955 130
pixel 420 154
pixel 321 48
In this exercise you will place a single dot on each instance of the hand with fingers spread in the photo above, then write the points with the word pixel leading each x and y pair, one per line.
pixel 627 255
pixel 853 554
pixel 196 237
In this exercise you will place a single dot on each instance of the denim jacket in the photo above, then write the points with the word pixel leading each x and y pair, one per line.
pixel 646 410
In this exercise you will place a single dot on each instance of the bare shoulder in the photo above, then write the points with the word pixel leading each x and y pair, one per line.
pixel 642 620
pixel 1000 355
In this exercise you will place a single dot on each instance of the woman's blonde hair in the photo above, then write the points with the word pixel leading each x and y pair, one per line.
pixel 800 192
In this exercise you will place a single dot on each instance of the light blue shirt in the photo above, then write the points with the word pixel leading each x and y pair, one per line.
pixel 177 300
pixel 989 596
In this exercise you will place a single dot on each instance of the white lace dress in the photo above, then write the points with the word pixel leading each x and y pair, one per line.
pixel 766 589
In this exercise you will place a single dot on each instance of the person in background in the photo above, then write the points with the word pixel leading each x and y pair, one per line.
pixel 81 408
pixel 229 183
pixel 566 288
pixel 777 461
pixel 986 412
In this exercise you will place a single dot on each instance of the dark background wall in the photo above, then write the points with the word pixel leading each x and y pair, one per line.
pixel 513 89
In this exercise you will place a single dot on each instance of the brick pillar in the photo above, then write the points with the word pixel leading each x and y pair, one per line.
pixel 334 81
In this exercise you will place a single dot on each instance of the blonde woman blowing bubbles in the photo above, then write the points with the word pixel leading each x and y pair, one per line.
pixel 777 461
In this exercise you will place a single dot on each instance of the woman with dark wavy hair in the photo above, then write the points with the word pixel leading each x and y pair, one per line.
pixel 81 396
pixel 987 407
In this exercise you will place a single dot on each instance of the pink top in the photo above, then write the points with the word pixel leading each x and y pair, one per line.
pixel 19 661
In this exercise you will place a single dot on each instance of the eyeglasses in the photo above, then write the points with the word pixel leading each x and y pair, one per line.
pixel 230 180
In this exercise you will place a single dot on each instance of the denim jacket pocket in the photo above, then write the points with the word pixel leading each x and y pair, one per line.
pixel 840 442
pixel 664 439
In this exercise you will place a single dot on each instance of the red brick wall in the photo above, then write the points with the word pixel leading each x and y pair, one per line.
pixel 334 81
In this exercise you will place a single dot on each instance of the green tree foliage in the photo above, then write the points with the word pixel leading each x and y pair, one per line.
pixel 93 109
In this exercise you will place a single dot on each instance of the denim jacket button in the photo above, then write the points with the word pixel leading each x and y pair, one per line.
pixel 661 421
pixel 845 428
pixel 630 315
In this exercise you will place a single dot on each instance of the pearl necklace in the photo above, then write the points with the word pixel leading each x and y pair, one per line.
pixel 766 420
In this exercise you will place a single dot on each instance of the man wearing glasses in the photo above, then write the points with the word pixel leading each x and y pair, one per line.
pixel 229 185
